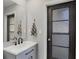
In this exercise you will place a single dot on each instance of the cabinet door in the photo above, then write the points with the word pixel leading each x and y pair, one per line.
pixel 21 56
pixel 31 55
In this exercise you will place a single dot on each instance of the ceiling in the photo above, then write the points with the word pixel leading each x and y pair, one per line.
pixel 7 3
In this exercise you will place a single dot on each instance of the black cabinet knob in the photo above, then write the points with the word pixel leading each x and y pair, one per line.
pixel 31 57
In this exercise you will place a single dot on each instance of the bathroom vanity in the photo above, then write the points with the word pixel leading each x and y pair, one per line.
pixel 27 50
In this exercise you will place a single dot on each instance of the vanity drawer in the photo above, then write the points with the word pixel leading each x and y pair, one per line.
pixel 28 54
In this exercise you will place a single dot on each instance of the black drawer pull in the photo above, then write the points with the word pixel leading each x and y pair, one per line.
pixel 29 52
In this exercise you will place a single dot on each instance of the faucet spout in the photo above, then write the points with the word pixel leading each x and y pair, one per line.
pixel 20 40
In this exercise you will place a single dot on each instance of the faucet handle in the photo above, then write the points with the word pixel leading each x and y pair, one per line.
pixel 15 40
pixel 15 43
pixel 18 40
pixel 21 40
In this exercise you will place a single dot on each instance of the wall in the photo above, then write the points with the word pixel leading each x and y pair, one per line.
pixel 37 9
pixel 21 2
pixel 20 14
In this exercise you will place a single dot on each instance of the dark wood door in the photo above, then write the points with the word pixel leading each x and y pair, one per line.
pixel 61 31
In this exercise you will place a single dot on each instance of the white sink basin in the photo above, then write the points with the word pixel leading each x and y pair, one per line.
pixel 15 50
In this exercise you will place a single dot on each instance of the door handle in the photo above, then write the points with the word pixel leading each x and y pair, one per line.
pixel 49 39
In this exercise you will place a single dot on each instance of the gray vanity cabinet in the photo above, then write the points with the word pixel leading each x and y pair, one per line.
pixel 27 54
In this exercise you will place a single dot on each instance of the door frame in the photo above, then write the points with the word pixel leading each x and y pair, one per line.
pixel 72 25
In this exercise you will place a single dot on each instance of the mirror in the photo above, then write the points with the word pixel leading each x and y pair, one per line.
pixel 14 13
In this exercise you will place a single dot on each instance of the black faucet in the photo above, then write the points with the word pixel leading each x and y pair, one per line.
pixel 20 40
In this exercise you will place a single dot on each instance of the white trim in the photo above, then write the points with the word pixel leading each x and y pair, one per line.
pixel 53 2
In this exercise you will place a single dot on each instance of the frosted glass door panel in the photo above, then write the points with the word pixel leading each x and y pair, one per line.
pixel 60 53
pixel 61 14
pixel 61 27
pixel 60 40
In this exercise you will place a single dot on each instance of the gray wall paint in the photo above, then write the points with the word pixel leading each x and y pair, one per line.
pixel 35 9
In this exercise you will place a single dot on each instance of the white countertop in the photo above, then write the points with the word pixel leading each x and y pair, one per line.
pixel 15 50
